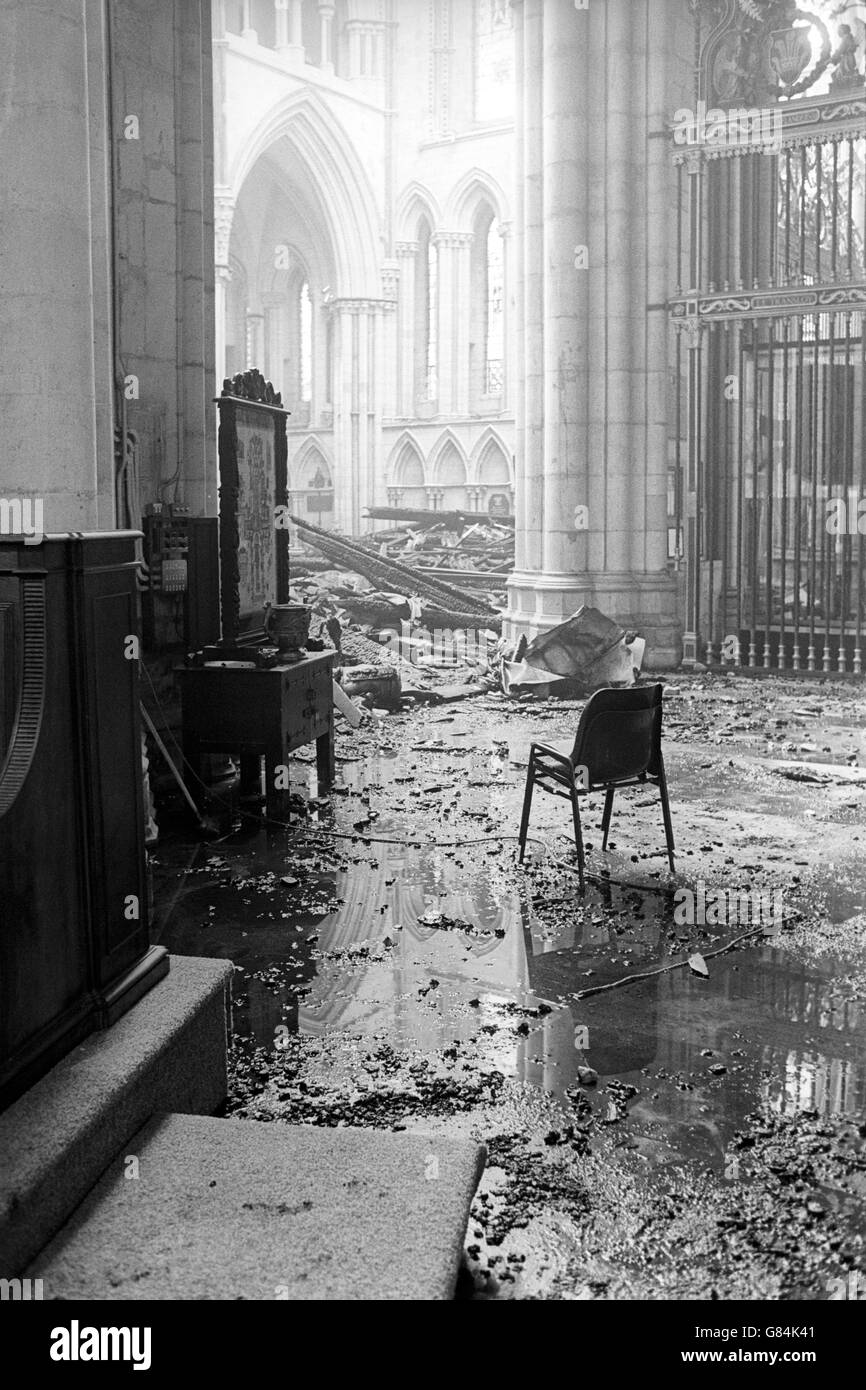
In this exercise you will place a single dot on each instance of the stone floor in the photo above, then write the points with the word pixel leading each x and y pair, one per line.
pixel 685 1135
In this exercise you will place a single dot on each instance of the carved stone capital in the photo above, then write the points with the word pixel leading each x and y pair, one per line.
pixel 455 240
pixel 224 211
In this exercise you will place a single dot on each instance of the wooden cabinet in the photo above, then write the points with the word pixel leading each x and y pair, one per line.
pixel 74 947
pixel 249 712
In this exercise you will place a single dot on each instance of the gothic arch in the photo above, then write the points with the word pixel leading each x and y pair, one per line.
pixel 308 457
pixel 406 464
pixel 490 464
pixel 311 483
pixel 405 477
pixel 448 464
pixel 321 144
pixel 475 189
pixel 416 202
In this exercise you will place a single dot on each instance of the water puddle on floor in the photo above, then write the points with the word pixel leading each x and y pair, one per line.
pixel 454 948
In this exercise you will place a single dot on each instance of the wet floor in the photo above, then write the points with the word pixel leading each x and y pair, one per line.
pixel 396 966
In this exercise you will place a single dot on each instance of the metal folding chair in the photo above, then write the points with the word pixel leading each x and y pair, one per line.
pixel 618 744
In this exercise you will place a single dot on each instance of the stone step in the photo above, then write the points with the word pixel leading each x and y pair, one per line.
pixel 167 1053
pixel 202 1208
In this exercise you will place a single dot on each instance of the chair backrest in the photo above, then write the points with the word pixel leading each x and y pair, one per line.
pixel 619 734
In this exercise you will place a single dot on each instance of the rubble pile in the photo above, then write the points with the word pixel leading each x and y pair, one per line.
pixel 392 600
pixel 481 551
pixel 393 576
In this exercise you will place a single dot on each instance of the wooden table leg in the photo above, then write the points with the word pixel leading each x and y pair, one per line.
pixel 251 776
pixel 325 763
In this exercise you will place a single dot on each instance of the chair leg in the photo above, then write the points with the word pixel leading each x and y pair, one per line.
pixel 666 812
pixel 605 820
pixel 578 838
pixel 527 806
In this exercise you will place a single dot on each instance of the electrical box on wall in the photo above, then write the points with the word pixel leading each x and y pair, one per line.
pixel 180 603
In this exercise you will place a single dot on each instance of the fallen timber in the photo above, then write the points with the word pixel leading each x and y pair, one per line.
pixel 391 576
pixel 453 521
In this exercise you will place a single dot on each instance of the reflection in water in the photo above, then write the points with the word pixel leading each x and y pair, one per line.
pixel 436 948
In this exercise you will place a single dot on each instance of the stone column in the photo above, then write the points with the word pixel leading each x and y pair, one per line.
pixel 519 401
pixel 290 29
pixel 224 208
pixel 345 413
pixel 357 411
pixel 387 372
pixel 271 364
pixel 461 253
pixel 382 395
pixel 660 179
pixel 255 338
pixel 353 30
pixel 453 281
pixel 56 362
pixel 378 33
pixel 533 300
pixel 223 279
pixel 406 252
pixel 281 8
pixel 618 290
pixel 565 120
pixel 362 388
pixel 507 284
pixel 594 188
pixel 326 19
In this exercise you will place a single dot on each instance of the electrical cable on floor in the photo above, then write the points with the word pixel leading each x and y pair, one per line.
pixel 677 964
pixel 407 844
pixel 665 969
pixel 259 818
pixel 601 880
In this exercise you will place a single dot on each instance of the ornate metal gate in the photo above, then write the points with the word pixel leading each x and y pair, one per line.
pixel 769 347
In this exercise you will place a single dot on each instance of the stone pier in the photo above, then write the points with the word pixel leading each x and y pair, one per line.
pixel 591 269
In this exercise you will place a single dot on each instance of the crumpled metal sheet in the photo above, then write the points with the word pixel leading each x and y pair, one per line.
pixel 589 648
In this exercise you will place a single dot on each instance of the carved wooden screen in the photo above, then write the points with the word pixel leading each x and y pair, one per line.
pixel 254 546
pixel 768 352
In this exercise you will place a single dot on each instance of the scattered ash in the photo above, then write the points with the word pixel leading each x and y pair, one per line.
pixel 320 1082
pixel 532 1183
